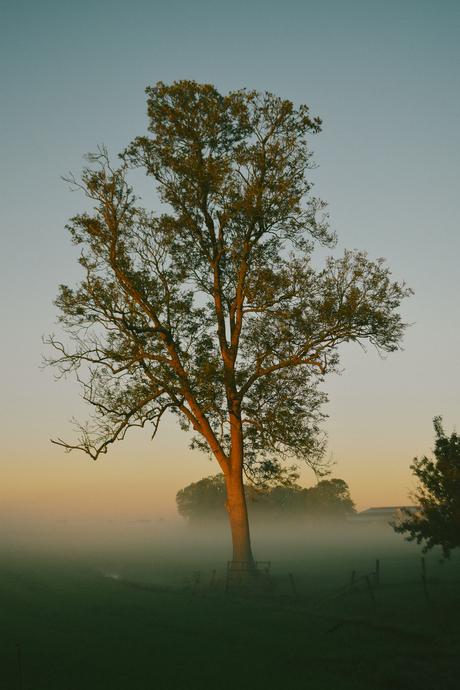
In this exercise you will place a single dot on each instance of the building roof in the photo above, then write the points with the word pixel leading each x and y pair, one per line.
pixel 384 513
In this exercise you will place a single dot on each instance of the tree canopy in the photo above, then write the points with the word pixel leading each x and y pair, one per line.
pixel 213 310
pixel 438 495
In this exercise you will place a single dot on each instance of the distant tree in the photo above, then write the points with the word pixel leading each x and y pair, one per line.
pixel 329 499
pixel 438 495
pixel 213 310
pixel 204 501
pixel 276 503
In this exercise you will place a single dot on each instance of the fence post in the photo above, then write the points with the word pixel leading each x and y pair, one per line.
pixel 424 581
pixel 19 665
pixel 377 571
pixel 369 586
pixel 353 573
pixel 291 578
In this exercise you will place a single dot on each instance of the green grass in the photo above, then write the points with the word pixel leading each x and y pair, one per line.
pixel 80 630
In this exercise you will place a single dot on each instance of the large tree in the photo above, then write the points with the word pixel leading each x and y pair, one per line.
pixel 213 310
pixel 437 494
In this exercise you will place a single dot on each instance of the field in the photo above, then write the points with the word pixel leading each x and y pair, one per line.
pixel 131 607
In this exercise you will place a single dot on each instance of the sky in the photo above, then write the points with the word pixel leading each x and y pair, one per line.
pixel 382 74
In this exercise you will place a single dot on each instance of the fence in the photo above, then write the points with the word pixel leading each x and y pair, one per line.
pixel 242 575
pixel 370 581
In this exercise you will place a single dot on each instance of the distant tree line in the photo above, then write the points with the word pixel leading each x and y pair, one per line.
pixel 204 501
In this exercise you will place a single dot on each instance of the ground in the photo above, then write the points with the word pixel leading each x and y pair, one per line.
pixel 81 625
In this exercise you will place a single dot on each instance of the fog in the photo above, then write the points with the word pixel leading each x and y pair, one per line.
pixel 167 552
pixel 114 605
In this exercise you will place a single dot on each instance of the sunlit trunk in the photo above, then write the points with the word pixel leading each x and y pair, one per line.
pixel 238 514
pixel 236 501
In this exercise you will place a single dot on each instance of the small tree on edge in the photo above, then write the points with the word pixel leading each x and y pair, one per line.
pixel 438 495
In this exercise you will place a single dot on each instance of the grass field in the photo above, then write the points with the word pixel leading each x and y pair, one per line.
pixel 129 612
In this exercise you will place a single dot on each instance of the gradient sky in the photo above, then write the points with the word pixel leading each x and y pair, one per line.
pixel 384 77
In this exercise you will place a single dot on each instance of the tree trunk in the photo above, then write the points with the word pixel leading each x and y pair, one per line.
pixel 238 514
pixel 236 501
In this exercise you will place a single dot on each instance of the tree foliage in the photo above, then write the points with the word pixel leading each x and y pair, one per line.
pixel 213 310
pixel 438 495
pixel 204 501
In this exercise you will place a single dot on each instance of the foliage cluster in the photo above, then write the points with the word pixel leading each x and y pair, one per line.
pixel 204 501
